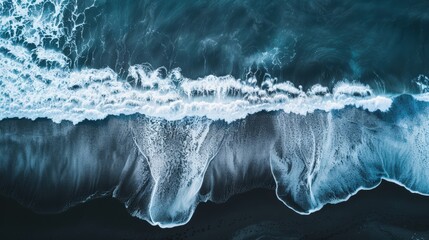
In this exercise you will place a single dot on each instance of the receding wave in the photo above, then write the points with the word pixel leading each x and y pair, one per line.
pixel 162 169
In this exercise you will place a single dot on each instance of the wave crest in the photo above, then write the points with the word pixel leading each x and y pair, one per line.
pixel 31 91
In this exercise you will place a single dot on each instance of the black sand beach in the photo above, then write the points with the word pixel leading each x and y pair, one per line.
pixel 387 212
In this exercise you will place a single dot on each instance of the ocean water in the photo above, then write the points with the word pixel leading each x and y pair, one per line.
pixel 167 104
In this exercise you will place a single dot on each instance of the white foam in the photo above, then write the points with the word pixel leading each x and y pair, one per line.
pixel 36 82
pixel 51 56
pixel 30 91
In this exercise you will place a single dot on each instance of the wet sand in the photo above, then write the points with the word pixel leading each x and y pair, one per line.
pixel 387 212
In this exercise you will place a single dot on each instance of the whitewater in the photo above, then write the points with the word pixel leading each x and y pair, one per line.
pixel 29 91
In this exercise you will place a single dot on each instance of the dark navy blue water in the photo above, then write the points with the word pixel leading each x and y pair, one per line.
pixel 384 43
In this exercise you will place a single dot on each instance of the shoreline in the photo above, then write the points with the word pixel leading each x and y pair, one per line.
pixel 385 212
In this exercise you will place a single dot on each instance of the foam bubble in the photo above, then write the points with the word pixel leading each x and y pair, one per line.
pixel 37 80
pixel 31 91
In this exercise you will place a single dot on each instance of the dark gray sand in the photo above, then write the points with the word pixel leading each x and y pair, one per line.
pixel 387 212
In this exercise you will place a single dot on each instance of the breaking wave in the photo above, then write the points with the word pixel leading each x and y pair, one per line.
pixel 29 91
pixel 41 45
